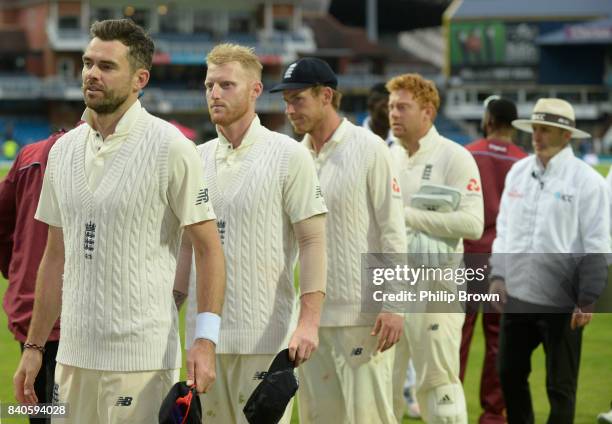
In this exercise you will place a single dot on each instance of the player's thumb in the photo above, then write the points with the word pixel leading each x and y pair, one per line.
pixel 28 383
pixel 376 327
pixel 292 350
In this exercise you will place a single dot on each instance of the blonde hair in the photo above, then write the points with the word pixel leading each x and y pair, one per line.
pixel 336 96
pixel 423 90
pixel 229 52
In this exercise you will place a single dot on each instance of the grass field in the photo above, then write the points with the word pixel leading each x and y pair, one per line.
pixel 594 386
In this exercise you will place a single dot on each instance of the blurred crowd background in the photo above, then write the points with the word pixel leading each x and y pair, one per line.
pixel 521 49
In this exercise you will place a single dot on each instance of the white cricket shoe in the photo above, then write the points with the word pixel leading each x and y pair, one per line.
pixel 412 406
pixel 605 417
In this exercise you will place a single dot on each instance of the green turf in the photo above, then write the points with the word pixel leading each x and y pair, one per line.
pixel 602 169
pixel 594 388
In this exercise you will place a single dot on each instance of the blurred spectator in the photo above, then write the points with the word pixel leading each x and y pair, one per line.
pixel 377 120
pixel 22 242
pixel 9 149
pixel 494 155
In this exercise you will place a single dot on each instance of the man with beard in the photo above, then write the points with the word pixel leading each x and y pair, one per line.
pixel 118 191
pixel 264 188
pixel 423 157
pixel 349 378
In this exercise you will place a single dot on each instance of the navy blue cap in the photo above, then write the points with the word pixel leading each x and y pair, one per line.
pixel 307 72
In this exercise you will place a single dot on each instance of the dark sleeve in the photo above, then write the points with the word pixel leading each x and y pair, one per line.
pixel 7 217
pixel 592 277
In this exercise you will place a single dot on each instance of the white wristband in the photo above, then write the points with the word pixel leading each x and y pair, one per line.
pixel 207 327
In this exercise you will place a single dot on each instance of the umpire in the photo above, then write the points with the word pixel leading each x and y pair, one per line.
pixel 554 216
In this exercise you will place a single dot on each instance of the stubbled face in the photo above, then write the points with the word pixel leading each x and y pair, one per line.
pixel 304 109
pixel 108 80
pixel 547 141
pixel 407 118
pixel 230 92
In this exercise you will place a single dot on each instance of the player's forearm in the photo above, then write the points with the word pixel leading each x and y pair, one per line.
pixel 47 299
pixel 592 278
pixel 210 277
pixel 458 224
pixel 310 235
pixel 311 305
pixel 183 271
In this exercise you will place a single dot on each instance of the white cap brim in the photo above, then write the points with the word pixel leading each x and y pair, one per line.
pixel 527 126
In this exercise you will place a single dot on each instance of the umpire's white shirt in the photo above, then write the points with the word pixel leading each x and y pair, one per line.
pixel 563 208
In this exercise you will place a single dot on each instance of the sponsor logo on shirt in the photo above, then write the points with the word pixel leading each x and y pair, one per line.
pixel 395 186
pixel 564 197
pixel 473 185
pixel 124 401
pixel 498 148
pixel 357 351
pixel 427 172
pixel 90 239
pixel 202 197
pixel 434 327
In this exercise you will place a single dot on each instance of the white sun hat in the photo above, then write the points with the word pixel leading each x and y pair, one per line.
pixel 554 112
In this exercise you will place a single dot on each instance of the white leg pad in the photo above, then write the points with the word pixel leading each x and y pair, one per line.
pixel 446 405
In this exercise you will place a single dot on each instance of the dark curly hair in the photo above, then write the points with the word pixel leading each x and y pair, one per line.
pixel 140 45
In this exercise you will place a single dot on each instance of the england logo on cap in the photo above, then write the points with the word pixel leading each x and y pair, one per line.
pixel 289 71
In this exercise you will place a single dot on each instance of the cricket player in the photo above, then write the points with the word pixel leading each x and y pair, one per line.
pixel 118 192
pixel 349 379
pixel 266 193
pixel 423 156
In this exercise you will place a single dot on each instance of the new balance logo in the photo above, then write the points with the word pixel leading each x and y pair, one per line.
pixel 357 351
pixel 124 401
pixel 260 375
pixel 445 400
pixel 55 398
pixel 202 197
pixel 318 193
pixel 434 327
